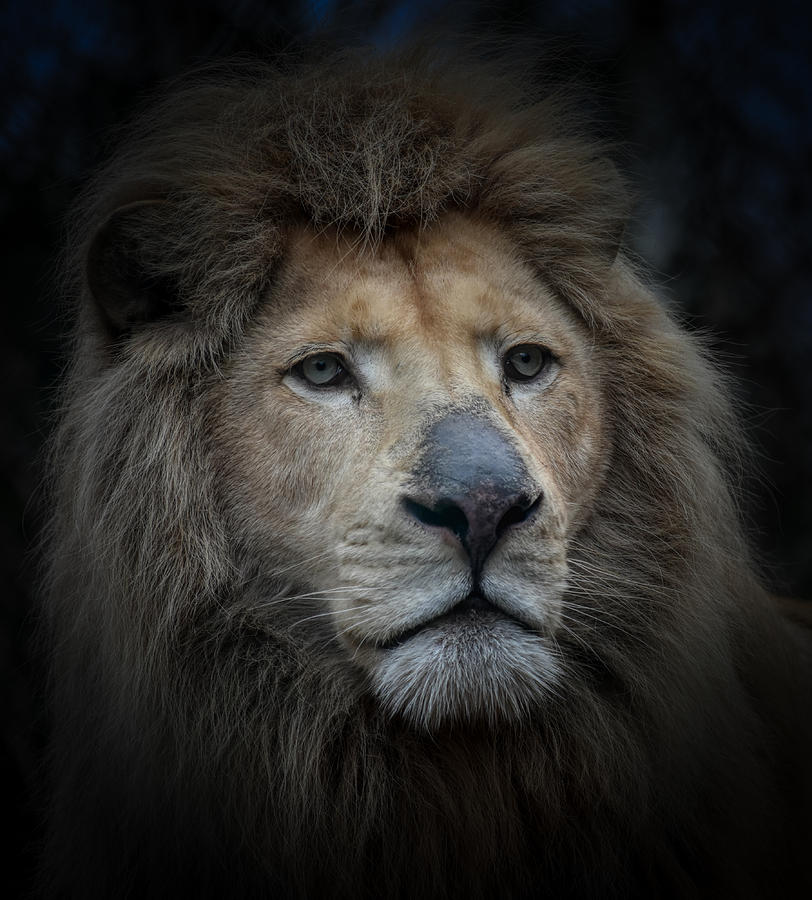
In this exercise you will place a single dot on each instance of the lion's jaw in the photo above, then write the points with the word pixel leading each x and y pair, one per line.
pixel 321 481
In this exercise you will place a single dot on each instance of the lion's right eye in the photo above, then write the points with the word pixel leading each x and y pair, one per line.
pixel 322 370
pixel 525 362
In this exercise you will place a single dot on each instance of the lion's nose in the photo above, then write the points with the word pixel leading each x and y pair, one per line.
pixel 478 518
pixel 472 482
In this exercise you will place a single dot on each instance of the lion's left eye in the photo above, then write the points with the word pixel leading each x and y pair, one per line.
pixel 322 370
pixel 526 361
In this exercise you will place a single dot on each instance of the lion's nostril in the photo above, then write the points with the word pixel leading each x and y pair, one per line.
pixel 444 514
pixel 521 511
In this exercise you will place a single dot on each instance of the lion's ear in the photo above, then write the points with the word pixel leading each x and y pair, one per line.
pixel 125 269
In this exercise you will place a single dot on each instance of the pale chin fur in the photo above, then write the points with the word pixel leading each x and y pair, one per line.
pixel 483 668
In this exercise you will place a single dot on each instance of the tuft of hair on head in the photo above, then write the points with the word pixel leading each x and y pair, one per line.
pixel 181 231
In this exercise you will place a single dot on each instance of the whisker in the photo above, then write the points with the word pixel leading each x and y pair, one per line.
pixel 321 615
pixel 273 574
pixel 290 597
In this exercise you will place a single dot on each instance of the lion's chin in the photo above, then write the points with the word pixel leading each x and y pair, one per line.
pixel 479 666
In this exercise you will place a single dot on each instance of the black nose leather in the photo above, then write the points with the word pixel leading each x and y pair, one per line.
pixel 471 481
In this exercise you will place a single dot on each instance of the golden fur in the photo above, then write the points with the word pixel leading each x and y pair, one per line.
pixel 230 559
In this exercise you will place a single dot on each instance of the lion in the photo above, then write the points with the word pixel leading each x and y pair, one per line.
pixel 396 547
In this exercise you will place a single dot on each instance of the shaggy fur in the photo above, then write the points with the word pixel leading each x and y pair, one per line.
pixel 200 749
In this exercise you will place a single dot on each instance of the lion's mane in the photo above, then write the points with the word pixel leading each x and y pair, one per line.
pixel 199 750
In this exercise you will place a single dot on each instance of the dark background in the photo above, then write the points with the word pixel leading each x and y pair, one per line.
pixel 711 103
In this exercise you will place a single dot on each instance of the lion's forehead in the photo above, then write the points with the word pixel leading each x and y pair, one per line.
pixel 430 297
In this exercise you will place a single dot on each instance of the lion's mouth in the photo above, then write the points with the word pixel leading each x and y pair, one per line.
pixel 475 611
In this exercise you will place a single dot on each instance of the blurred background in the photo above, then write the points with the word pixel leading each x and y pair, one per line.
pixel 711 105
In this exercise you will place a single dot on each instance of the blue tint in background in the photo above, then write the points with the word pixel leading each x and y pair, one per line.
pixel 711 103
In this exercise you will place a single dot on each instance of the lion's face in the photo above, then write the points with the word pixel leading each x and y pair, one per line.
pixel 407 441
